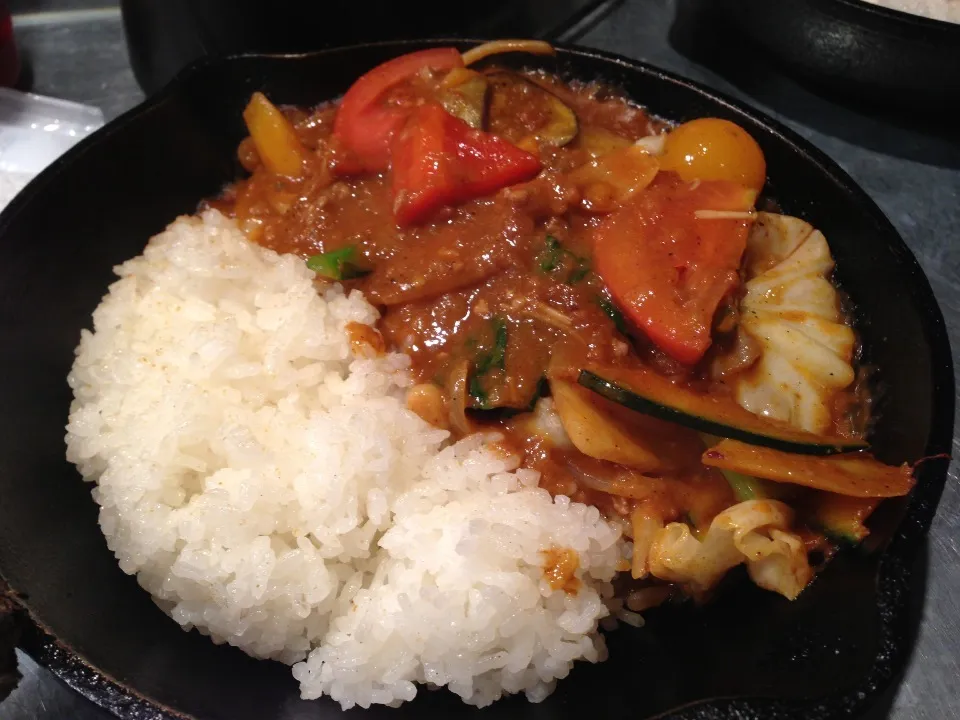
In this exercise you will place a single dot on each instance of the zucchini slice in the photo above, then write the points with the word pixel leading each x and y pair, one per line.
pixel 853 474
pixel 652 394
pixel 745 487
pixel 842 518
pixel 463 94
pixel 561 124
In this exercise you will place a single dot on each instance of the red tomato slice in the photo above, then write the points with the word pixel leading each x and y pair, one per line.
pixel 440 160
pixel 363 127
pixel 668 270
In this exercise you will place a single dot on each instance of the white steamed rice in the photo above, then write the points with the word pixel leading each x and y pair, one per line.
pixel 272 490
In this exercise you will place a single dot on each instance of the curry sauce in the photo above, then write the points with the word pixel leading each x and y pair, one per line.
pixel 492 294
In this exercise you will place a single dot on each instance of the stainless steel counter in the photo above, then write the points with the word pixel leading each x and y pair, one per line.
pixel 913 174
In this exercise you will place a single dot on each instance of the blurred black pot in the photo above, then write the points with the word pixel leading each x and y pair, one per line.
pixel 857 50
pixel 164 36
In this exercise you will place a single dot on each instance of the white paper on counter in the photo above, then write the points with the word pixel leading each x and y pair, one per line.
pixel 34 131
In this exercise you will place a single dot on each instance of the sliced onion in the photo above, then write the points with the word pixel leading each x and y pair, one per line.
pixel 743 356
pixel 498 47
pixel 622 484
pixel 549 316
pixel 748 215
pixel 653 144
pixel 645 528
pixel 598 433
pixel 457 392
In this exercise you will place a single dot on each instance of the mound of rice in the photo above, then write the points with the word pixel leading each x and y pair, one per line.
pixel 272 490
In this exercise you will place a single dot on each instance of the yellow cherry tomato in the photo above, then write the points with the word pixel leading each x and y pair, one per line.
pixel 714 149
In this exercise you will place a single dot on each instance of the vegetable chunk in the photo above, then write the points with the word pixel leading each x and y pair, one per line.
pixel 792 310
pixel 852 474
pixel 667 268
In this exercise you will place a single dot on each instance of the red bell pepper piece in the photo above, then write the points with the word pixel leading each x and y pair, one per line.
pixel 440 160
pixel 364 126
pixel 668 270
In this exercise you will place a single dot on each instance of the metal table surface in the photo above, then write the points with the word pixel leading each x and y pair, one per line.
pixel 913 174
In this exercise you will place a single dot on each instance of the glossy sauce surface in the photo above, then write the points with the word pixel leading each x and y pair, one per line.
pixel 442 283
pixel 486 292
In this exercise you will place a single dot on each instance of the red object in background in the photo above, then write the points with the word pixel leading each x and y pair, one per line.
pixel 9 58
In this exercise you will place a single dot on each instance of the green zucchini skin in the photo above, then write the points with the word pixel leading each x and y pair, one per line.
pixel 842 535
pixel 843 518
pixel 744 487
pixel 634 401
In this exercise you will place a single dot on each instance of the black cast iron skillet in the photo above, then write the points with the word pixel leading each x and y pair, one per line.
pixel 873 54
pixel 752 653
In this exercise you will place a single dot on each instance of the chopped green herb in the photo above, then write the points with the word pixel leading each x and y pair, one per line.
pixel 499 342
pixel 493 359
pixel 336 264
pixel 478 394
pixel 555 256
pixel 542 386
pixel 580 271
pixel 496 357
pixel 612 312
pixel 552 256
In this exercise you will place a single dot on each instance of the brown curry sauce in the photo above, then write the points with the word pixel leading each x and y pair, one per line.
pixel 518 261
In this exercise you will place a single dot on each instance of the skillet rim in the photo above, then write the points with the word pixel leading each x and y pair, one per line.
pixel 897 558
